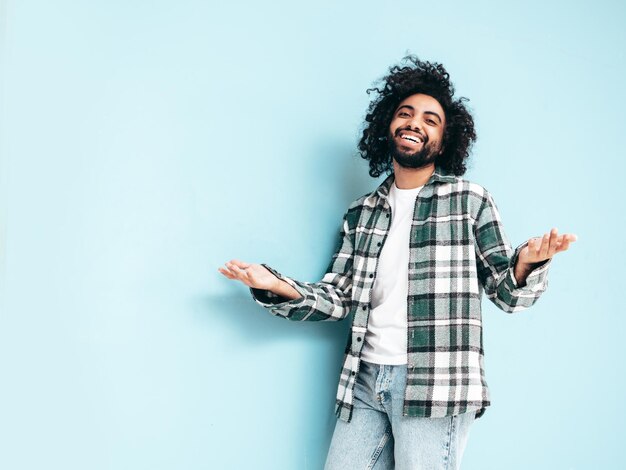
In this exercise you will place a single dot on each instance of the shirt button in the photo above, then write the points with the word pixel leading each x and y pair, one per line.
pixel 352 373
pixel 358 339
pixel 371 275
pixel 379 243
pixel 364 307
pixel 387 215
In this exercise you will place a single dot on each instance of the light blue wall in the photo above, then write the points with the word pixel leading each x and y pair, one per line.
pixel 143 144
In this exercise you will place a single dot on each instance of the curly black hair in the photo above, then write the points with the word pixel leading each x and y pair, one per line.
pixel 429 78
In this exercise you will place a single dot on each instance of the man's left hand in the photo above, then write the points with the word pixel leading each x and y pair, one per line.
pixel 542 248
pixel 538 250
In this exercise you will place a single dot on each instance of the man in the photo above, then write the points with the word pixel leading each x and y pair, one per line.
pixel 413 260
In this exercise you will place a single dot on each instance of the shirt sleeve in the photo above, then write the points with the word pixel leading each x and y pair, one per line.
pixel 326 300
pixel 495 260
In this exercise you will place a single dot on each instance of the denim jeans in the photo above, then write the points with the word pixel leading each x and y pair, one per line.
pixel 378 436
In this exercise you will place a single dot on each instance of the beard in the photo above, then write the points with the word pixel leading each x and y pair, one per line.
pixel 424 156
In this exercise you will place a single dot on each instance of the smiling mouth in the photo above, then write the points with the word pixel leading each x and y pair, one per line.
pixel 411 140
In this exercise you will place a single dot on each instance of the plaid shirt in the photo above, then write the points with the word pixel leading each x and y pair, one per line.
pixel 457 250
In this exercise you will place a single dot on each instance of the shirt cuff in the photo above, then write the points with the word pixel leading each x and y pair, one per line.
pixel 537 279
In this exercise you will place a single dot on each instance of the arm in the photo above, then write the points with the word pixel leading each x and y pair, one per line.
pixel 497 264
pixel 329 299
pixel 326 300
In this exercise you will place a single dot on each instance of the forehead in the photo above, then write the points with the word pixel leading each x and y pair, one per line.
pixel 422 102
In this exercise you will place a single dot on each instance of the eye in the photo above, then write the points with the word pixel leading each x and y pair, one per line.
pixel 431 122
pixel 403 113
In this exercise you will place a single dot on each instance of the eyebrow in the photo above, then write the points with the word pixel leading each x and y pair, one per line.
pixel 425 112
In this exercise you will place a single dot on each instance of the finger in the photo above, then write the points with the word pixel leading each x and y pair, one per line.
pixel 568 238
pixel 564 245
pixel 239 264
pixel 230 269
pixel 240 273
pixel 226 273
pixel 553 242
pixel 534 245
pixel 545 244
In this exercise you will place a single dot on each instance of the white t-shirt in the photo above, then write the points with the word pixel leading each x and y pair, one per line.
pixel 386 336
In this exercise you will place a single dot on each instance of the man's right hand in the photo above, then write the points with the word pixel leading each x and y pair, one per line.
pixel 252 275
pixel 258 277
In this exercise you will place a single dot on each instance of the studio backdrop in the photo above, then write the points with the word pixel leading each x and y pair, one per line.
pixel 145 143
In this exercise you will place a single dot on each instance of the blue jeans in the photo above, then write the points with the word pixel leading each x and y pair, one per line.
pixel 379 437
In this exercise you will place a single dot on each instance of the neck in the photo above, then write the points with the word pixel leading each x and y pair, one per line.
pixel 409 178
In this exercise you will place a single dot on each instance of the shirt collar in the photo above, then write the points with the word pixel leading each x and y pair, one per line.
pixel 439 175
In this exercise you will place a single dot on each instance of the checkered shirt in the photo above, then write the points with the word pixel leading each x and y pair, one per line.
pixel 457 250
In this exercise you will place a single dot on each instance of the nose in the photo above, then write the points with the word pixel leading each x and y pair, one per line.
pixel 415 124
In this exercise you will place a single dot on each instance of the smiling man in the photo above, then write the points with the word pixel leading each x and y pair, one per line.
pixel 413 260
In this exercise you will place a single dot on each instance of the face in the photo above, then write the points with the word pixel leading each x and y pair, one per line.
pixel 416 131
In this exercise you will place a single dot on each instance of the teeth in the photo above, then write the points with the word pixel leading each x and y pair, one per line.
pixel 412 139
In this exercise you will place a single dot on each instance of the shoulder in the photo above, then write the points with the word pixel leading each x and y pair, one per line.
pixel 462 186
pixel 469 196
